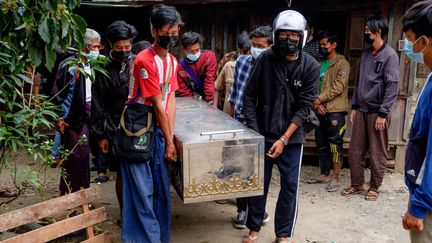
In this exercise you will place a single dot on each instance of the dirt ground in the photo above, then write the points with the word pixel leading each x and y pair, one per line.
pixel 323 216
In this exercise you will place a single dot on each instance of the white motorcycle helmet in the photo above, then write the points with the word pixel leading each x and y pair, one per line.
pixel 291 20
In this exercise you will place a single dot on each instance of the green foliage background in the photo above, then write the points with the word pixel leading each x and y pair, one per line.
pixel 30 33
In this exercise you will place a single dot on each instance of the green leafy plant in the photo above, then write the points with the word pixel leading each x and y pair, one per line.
pixel 30 33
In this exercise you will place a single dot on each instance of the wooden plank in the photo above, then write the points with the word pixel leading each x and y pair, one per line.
pixel 89 230
pixel 44 209
pixel 102 238
pixel 61 228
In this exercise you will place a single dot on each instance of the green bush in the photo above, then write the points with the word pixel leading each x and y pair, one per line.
pixel 30 32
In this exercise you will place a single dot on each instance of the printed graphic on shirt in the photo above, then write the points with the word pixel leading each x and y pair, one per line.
pixel 144 73
pixel 297 83
pixel 343 73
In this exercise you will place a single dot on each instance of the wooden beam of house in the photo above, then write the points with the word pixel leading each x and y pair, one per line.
pixel 142 3
pixel 119 3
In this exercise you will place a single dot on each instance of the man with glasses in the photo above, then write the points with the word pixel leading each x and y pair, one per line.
pixel 277 101
pixel 197 70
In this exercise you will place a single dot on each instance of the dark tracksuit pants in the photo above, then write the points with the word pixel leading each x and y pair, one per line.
pixel 329 140
pixel 242 202
pixel 289 163
pixel 365 138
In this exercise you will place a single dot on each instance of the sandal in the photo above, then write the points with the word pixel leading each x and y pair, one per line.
pixel 351 190
pixel 333 187
pixel 250 239
pixel 221 201
pixel 317 180
pixel 283 240
pixel 372 195
pixel 6 192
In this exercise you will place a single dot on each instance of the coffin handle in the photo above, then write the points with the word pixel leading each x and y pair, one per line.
pixel 211 134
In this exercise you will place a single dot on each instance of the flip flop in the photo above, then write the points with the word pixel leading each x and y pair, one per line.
pixel 332 187
pixel 351 191
pixel 372 195
pixel 6 192
pixel 249 239
pixel 285 240
pixel 317 180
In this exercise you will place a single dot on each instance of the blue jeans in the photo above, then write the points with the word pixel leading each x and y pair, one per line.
pixel 289 164
pixel 146 214
pixel 55 151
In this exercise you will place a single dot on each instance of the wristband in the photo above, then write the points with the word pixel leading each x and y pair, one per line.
pixel 284 140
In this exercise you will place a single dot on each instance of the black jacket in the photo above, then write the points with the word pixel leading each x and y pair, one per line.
pixel 280 92
pixel 69 92
pixel 109 95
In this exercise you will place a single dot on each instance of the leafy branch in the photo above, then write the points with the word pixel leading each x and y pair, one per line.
pixel 30 34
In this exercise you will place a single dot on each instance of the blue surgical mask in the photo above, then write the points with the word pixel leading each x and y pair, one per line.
pixel 193 57
pixel 409 51
pixel 92 55
pixel 256 52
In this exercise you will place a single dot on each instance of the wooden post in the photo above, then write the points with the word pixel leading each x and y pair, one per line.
pixel 89 230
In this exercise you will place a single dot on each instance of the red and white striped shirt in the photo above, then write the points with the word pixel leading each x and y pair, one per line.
pixel 149 73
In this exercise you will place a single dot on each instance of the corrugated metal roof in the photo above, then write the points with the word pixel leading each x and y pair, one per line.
pixel 141 3
pixel 119 3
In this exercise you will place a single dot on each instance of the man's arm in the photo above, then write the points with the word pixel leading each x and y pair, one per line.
pixel 183 90
pixel 235 89
pixel 250 95
pixel 421 198
pixel 60 89
pixel 219 86
pixel 163 122
pixel 210 76
pixel 60 95
pixel 391 85
pixel 420 201
pixel 307 94
pixel 98 113
pixel 171 114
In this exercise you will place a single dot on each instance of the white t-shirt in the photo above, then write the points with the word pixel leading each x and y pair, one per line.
pixel 88 83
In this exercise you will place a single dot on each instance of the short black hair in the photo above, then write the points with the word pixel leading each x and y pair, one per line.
pixel 120 30
pixel 263 31
pixel 190 38
pixel 139 46
pixel 377 23
pixel 163 14
pixel 331 36
pixel 309 23
pixel 243 41
pixel 419 19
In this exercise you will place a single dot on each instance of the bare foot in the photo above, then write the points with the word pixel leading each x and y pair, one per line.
pixel 319 179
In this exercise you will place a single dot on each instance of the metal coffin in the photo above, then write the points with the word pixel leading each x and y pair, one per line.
pixel 219 158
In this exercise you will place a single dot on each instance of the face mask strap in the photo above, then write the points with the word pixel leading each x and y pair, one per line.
pixel 413 43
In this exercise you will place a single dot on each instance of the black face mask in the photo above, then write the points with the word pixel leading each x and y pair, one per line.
pixel 287 47
pixel 167 42
pixel 120 55
pixel 367 39
pixel 324 52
